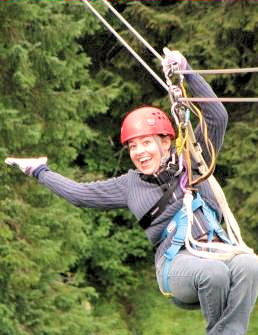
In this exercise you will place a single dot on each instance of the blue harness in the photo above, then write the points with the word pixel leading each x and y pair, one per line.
pixel 180 221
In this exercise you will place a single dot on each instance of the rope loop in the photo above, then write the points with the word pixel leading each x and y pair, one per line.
pixel 181 113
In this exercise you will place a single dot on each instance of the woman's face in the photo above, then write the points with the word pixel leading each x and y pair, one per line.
pixel 146 152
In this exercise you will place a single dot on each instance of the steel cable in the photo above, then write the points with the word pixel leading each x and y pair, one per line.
pixel 149 69
pixel 156 54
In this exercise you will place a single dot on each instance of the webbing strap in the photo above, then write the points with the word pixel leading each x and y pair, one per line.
pixel 181 221
pixel 157 209
pixel 196 203
pixel 161 204
pixel 214 226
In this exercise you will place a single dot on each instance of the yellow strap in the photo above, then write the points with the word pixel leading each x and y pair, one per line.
pixel 181 140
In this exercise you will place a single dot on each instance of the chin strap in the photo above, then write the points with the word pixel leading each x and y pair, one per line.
pixel 167 179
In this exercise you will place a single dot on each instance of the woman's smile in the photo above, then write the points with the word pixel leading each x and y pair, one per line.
pixel 146 153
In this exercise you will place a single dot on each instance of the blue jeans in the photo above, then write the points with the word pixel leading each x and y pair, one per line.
pixel 226 290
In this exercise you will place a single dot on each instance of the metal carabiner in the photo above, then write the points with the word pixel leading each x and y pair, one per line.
pixel 180 165
pixel 175 93
pixel 187 117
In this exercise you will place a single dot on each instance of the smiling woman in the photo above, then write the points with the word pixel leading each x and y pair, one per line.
pixel 148 132
pixel 148 152
pixel 212 271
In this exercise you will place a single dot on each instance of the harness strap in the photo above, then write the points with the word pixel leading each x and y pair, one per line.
pixel 167 183
pixel 215 227
pixel 157 209
pixel 180 220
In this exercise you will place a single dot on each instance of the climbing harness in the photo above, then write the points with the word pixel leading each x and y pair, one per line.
pixel 180 222
pixel 187 147
pixel 189 152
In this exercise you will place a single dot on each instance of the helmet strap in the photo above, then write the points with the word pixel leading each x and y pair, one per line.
pixel 163 158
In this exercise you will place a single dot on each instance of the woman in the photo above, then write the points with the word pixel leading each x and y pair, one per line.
pixel 226 290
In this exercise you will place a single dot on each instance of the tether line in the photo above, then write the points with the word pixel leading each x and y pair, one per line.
pixel 156 54
pixel 154 75
pixel 144 64
pixel 225 99
pixel 219 71
pixel 128 25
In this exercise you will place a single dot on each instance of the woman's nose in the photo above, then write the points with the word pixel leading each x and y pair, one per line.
pixel 140 149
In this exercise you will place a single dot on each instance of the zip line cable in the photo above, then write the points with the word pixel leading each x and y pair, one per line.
pixel 156 54
pixel 149 69
pixel 214 99
pixel 122 19
pixel 162 83
pixel 219 71
pixel 232 226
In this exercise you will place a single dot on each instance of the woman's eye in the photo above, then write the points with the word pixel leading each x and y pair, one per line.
pixel 131 147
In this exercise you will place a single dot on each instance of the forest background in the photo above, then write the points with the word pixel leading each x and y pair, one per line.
pixel 65 85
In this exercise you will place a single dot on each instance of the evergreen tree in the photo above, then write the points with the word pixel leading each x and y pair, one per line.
pixel 51 105
pixel 65 86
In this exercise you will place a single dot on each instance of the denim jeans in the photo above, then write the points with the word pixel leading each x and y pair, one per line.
pixel 226 290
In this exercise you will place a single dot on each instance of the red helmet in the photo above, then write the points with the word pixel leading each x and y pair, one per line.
pixel 146 120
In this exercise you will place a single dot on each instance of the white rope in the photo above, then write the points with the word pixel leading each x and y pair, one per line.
pixel 155 53
pixel 145 65
pixel 149 69
pixel 219 71
pixel 233 230
pixel 215 99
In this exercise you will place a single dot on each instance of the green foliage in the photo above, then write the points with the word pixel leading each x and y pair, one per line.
pixel 47 104
pixel 65 85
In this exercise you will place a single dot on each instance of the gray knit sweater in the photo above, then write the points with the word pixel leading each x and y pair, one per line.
pixel 130 191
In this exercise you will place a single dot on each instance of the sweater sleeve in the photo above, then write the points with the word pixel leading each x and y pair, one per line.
pixel 108 194
pixel 214 113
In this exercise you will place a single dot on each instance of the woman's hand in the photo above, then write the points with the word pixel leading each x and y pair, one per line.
pixel 173 59
pixel 26 165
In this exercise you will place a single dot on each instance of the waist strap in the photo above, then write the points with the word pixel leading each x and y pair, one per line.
pixel 196 203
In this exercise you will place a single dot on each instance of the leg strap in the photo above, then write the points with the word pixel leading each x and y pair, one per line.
pixel 180 220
